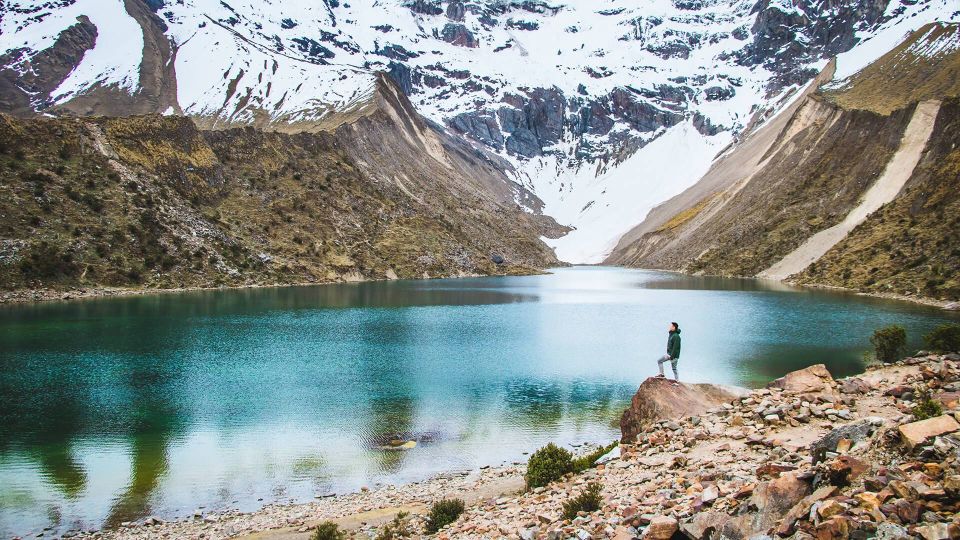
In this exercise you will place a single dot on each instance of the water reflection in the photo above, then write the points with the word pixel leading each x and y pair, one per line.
pixel 115 409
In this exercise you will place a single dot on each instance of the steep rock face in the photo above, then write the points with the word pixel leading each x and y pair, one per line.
pixel 910 245
pixel 660 399
pixel 154 202
pixel 814 179
pixel 26 83
pixel 808 171
pixel 789 36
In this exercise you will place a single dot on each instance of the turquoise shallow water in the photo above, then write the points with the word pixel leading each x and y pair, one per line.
pixel 115 409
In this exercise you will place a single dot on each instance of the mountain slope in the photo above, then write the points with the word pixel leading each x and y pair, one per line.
pixel 827 163
pixel 153 201
pixel 573 95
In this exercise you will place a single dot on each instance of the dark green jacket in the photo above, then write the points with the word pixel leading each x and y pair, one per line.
pixel 673 344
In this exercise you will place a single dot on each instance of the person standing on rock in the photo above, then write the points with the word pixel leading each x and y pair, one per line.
pixel 673 351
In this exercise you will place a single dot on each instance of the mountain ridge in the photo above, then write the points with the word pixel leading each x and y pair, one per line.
pixel 570 94
pixel 154 202
pixel 830 154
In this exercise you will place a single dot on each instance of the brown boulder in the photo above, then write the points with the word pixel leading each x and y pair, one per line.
pixel 951 485
pixel 661 399
pixel 812 379
pixel 802 508
pixel 854 385
pixel 834 528
pixel 845 469
pixel 949 400
pixel 916 433
pixel 661 528
pixel 704 524
pixel 773 500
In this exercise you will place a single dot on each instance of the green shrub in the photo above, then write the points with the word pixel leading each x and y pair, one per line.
pixel 889 343
pixel 586 461
pixel 46 261
pixel 588 501
pixel 548 464
pixel 443 513
pixel 328 530
pixel 924 405
pixel 944 338
pixel 398 528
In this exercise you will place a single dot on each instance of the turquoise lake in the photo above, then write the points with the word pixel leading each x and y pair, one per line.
pixel 114 409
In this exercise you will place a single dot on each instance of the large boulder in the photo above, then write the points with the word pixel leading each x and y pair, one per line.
pixel 813 379
pixel 855 432
pixel 772 501
pixel 660 399
pixel 661 528
pixel 916 433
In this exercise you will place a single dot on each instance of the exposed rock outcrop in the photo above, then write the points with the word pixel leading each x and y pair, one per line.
pixel 660 399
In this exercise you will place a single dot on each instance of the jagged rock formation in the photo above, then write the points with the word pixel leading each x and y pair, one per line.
pixel 154 201
pixel 822 167
pixel 662 399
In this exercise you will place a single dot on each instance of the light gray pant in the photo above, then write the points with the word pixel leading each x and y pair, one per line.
pixel 673 364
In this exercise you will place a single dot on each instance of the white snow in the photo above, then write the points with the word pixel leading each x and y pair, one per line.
pixel 604 207
pixel 889 35
pixel 115 58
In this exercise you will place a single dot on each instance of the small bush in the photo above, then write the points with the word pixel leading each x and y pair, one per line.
pixel 889 343
pixel 46 261
pixel 944 338
pixel 443 513
pixel 398 528
pixel 588 501
pixel 328 530
pixel 584 462
pixel 548 464
pixel 925 406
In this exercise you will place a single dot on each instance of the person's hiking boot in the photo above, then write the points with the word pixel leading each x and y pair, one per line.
pixel 660 376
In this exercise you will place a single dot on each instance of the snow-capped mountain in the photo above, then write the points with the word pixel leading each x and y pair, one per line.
pixel 604 108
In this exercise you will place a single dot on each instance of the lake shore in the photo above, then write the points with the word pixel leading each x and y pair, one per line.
pixel 25 296
pixel 684 475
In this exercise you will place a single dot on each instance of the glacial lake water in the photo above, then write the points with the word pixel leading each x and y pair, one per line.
pixel 114 409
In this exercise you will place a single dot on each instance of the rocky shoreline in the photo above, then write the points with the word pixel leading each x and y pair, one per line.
pixel 25 296
pixel 806 458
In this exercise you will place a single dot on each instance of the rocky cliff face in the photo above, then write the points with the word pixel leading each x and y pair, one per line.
pixel 153 201
pixel 808 177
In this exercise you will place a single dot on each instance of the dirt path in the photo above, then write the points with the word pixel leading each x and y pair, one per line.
pixel 883 190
